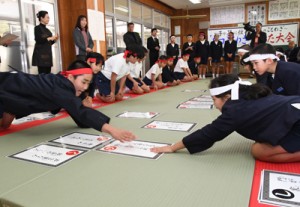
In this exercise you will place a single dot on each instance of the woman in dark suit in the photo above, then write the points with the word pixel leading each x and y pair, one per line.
pixel 42 54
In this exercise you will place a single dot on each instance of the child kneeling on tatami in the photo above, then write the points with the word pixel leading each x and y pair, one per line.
pixel 153 76
pixel 168 76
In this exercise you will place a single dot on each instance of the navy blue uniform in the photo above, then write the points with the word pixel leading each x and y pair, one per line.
pixel 270 119
pixel 168 75
pixel 230 48
pixel 173 51
pixel 189 51
pixel 193 67
pixel 203 51
pixel 216 51
pixel 252 35
pixel 287 79
pixel 23 94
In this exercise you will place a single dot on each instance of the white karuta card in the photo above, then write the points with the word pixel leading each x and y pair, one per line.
pixel 142 115
pixel 168 125
pixel 194 90
pixel 195 106
pixel 48 155
pixel 280 188
pixel 82 139
pixel 198 103
pixel 33 117
pixel 134 148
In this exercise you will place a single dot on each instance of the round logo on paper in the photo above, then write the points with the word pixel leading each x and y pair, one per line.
pixel 282 193
pixel 72 152
pixel 102 139
pixel 110 148
pixel 151 126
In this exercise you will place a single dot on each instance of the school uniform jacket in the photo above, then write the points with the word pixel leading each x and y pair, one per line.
pixel 172 51
pixel 23 94
pixel 202 50
pixel 191 52
pixel 168 75
pixel 265 120
pixel 230 48
pixel 216 50
pixel 42 53
pixel 287 79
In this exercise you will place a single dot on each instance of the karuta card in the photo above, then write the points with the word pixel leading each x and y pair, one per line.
pixel 168 125
pixel 141 115
pixel 192 90
pixel 34 117
pixel 134 148
pixel 195 106
pixel 280 188
pixel 48 155
pixel 84 140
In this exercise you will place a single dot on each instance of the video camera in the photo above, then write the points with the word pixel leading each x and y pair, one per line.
pixel 248 27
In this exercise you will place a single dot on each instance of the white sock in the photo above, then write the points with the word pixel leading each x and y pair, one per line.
pixel 217 75
pixel 213 75
pixel 203 76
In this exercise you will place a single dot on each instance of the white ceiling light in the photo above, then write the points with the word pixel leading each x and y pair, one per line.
pixel 195 1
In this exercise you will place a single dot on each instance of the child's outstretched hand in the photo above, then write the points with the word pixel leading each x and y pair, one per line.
pixel 166 149
pixel 118 134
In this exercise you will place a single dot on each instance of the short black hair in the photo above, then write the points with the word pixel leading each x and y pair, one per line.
pixel 130 23
pixel 153 29
pixel 78 64
pixel 136 49
pixel 263 49
pixel 98 56
pixel 41 14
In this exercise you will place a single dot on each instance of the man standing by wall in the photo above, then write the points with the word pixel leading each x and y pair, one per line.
pixel 132 38
pixel 153 47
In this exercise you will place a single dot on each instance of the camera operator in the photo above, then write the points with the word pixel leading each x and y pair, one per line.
pixel 257 37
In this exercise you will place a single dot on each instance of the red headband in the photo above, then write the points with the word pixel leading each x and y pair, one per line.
pixel 79 71
pixel 92 60
pixel 161 61
pixel 128 52
pixel 169 59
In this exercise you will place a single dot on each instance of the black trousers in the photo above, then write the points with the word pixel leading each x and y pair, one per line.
pixel 44 70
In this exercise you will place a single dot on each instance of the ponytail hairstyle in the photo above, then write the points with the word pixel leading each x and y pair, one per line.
pixel 41 14
pixel 251 92
pixel 97 56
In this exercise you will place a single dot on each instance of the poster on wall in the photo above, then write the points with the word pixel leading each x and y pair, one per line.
pixel 256 13
pixel 284 9
pixel 96 24
pixel 227 14
pixel 277 34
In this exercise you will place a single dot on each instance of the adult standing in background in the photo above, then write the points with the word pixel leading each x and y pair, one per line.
pixel 189 47
pixel 257 37
pixel 153 47
pixel 288 51
pixel 42 53
pixel 173 49
pixel 82 38
pixel 130 37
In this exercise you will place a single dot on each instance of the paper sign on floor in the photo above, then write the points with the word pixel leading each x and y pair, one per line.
pixel 84 140
pixel 48 155
pixel 168 125
pixel 134 148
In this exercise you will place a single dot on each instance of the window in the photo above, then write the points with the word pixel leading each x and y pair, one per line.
pixel 121 29
pixel 147 15
pixel 157 19
pixel 147 33
pixel 136 11
pixel 121 7
pixel 109 6
pixel 109 34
